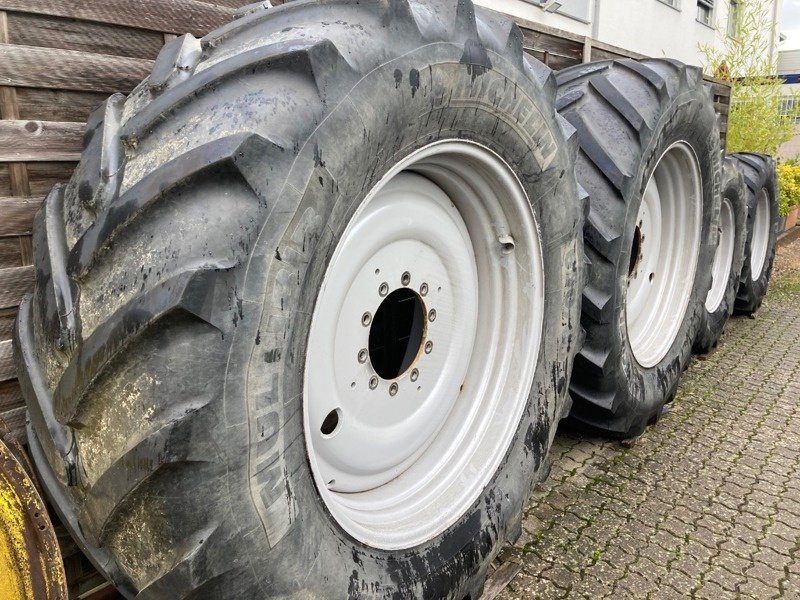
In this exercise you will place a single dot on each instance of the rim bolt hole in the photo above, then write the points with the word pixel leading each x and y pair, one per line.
pixel 331 423
pixel 432 315
pixel 652 275
pixel 423 289
pixel 428 347
pixel 406 278
pixel 366 319
pixel 393 389
pixel 383 289
pixel 373 382
pixel 414 374
pixel 362 355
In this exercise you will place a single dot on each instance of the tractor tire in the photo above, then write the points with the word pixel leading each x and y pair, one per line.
pixel 650 161
pixel 728 258
pixel 763 223
pixel 184 421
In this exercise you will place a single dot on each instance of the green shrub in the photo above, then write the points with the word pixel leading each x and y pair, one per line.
pixel 762 114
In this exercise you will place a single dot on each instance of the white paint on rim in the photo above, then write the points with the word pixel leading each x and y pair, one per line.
pixel 401 467
pixel 759 244
pixel 723 257
pixel 664 256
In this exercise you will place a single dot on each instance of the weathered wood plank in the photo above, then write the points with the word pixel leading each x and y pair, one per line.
pixel 10 255
pixel 57 32
pixel 498 580
pixel 15 422
pixel 554 61
pixel 7 318
pixel 28 66
pixel 14 284
pixel 57 105
pixel 44 175
pixel 611 51
pixel 16 215
pixel 5 180
pixel 174 16
pixel 22 141
pixel 7 369
pixel 722 108
pixel 10 396
pixel 569 50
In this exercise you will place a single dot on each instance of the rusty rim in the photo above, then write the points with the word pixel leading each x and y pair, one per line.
pixel 30 560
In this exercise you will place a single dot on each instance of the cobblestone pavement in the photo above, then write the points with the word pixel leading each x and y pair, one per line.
pixel 706 503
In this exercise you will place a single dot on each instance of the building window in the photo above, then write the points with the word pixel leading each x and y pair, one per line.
pixel 789 107
pixel 705 11
pixel 733 17
pixel 676 4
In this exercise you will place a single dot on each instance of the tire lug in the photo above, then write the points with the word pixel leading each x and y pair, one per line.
pixel 373 382
pixel 393 389
pixel 432 315
pixel 423 289
pixel 362 355
pixel 366 319
pixel 428 347
pixel 414 375
pixel 406 278
pixel 383 289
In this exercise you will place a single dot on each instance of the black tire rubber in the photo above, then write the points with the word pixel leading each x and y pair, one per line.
pixel 627 113
pixel 162 353
pixel 759 173
pixel 713 323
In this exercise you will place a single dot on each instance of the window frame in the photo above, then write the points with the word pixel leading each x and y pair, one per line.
pixel 673 4
pixel 709 6
pixel 734 6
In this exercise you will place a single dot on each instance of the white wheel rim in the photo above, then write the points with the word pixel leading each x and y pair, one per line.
pixel 760 241
pixel 723 257
pixel 408 455
pixel 664 255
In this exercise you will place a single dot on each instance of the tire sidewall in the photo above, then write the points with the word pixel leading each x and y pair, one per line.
pixel 378 123
pixel 714 322
pixel 752 291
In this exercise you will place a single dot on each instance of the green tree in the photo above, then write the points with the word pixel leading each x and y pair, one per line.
pixel 762 113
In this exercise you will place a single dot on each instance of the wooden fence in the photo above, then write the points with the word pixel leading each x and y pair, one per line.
pixel 59 59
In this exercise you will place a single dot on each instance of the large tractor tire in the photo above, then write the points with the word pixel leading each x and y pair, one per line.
pixel 728 258
pixel 763 223
pixel 305 314
pixel 650 160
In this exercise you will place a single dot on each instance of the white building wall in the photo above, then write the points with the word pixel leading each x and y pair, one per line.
pixel 656 29
pixel 531 12
pixel 649 27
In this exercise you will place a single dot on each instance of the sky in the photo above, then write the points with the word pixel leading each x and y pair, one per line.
pixel 790 25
